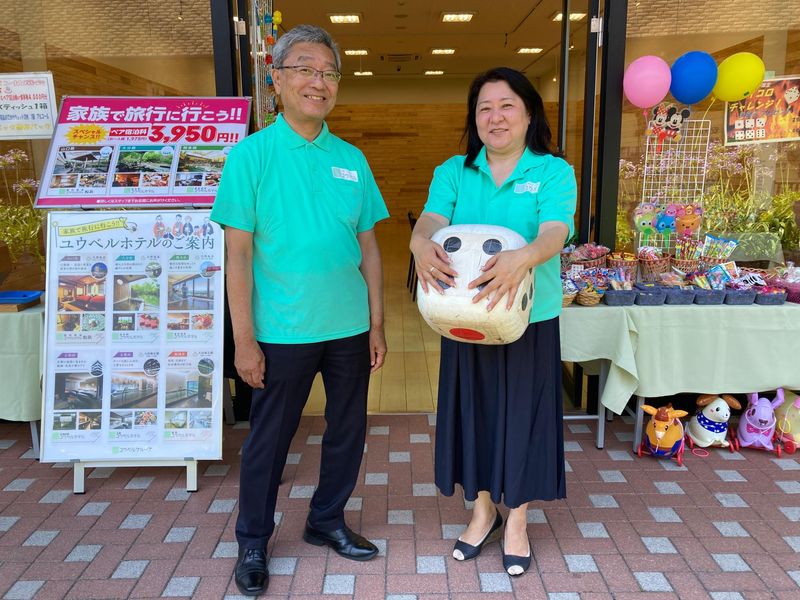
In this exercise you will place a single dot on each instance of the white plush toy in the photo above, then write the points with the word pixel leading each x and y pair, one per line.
pixel 453 314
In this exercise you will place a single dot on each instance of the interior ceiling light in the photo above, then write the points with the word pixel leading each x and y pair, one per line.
pixel 354 18
pixel 362 73
pixel 443 50
pixel 457 17
pixel 434 72
pixel 356 52
pixel 573 16
pixel 528 50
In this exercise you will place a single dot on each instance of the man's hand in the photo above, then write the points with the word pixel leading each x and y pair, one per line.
pixel 250 363
pixel 377 347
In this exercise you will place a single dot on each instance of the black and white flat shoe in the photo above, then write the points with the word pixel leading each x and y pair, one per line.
pixel 464 551
pixel 516 565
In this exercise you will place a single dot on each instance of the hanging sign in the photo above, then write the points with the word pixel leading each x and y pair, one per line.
pixel 770 114
pixel 110 151
pixel 27 106
pixel 133 343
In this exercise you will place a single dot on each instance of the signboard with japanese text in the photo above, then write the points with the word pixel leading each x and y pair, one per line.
pixel 770 114
pixel 133 342
pixel 145 152
pixel 27 106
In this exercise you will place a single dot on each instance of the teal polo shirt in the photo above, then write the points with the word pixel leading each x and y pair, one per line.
pixel 541 188
pixel 304 202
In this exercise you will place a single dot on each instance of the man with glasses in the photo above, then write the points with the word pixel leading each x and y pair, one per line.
pixel 305 291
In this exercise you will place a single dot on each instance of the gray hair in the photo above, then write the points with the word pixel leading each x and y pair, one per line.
pixel 304 33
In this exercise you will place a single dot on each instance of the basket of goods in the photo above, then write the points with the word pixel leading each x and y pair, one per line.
pixel 716 250
pixel 652 263
pixel 739 295
pixel 589 256
pixel 566 257
pixel 650 294
pixel 624 260
pixel 676 290
pixel 710 288
pixel 620 290
pixel 788 278
pixel 771 295
pixel 687 255
pixel 592 284
pixel 568 291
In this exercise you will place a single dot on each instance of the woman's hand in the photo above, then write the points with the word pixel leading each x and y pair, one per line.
pixel 432 264
pixel 502 275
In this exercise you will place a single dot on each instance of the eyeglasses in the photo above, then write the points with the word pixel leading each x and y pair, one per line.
pixel 310 72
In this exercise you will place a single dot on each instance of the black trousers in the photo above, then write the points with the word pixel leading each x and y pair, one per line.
pixel 274 417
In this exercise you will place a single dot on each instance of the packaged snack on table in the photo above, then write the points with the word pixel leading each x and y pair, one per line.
pixel 624 260
pixel 771 295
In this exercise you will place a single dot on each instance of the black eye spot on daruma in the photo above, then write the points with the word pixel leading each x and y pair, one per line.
pixel 492 246
pixel 524 301
pixel 452 244
pixel 443 285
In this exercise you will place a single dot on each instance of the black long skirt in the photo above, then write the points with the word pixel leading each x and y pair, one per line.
pixel 499 418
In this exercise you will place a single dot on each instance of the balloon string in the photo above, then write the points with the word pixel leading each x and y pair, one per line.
pixel 713 99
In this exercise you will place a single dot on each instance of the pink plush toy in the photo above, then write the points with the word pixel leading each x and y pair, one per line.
pixel 757 423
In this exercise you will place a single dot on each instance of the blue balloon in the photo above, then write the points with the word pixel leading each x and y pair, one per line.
pixel 693 77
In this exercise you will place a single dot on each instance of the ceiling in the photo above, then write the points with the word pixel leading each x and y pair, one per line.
pixel 399 34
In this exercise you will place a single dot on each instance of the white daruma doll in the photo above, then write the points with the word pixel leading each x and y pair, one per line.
pixel 453 314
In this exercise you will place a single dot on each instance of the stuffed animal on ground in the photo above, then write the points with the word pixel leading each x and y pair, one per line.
pixel 709 426
pixel 663 436
pixel 787 428
pixel 757 423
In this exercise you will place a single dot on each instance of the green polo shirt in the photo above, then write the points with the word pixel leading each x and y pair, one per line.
pixel 304 202
pixel 541 188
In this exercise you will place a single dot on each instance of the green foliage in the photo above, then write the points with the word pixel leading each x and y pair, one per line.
pixel 20 222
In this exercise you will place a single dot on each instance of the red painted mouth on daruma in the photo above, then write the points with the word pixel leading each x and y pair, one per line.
pixel 466 334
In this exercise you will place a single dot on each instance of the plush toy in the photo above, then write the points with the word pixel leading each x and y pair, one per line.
pixel 787 426
pixel 709 426
pixel 664 222
pixel 644 218
pixel 663 436
pixel 453 314
pixel 757 423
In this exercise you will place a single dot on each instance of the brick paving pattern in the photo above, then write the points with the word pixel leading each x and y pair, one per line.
pixel 726 526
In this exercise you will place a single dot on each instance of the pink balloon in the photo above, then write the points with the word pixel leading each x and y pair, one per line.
pixel 647 81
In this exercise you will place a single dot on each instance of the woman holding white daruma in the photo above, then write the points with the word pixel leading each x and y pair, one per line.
pixel 499 417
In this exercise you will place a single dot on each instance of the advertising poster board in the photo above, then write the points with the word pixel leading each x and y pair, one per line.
pixel 770 114
pixel 133 336
pixel 27 106
pixel 143 152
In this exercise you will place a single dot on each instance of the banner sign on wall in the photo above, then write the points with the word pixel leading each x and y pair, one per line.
pixel 770 114
pixel 27 106
pixel 113 151
pixel 133 343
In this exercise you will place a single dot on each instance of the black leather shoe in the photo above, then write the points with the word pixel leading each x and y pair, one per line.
pixel 252 577
pixel 345 542
pixel 464 551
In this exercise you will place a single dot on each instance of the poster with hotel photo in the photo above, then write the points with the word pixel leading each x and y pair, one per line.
pixel 140 151
pixel 133 284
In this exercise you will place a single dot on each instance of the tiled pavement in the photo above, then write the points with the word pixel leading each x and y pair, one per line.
pixel 725 526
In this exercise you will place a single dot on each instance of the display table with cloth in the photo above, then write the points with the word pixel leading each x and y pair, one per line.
pixel 21 364
pixel 652 351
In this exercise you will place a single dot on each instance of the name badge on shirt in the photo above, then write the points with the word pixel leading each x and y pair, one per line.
pixel 527 187
pixel 340 173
